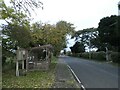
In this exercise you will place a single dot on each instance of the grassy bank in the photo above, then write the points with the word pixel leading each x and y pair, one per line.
pixel 34 79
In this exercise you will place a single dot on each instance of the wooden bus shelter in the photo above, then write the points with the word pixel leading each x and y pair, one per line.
pixel 38 58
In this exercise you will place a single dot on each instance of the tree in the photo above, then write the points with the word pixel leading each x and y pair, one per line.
pixel 15 33
pixel 15 28
pixel 25 6
pixel 63 29
pixel 78 47
pixel 86 36
pixel 18 25
pixel 51 34
pixel 108 33
pixel 118 33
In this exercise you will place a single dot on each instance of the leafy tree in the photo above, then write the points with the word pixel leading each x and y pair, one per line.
pixel 51 34
pixel 25 6
pixel 108 33
pixel 36 34
pixel 15 32
pixel 15 28
pixel 118 34
pixel 78 47
pixel 86 36
pixel 19 32
pixel 63 29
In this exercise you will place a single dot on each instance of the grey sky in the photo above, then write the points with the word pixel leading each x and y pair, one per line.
pixel 82 13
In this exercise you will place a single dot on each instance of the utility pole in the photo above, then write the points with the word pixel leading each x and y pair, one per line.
pixel 90 46
pixel 107 57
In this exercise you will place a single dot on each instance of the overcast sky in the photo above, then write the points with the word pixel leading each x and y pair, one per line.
pixel 82 13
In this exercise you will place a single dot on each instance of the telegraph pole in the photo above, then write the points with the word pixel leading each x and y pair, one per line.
pixel 107 56
pixel 90 46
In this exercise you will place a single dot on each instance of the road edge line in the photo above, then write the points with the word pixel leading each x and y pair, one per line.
pixel 78 80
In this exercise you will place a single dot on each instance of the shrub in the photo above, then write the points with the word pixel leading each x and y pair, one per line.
pixel 76 54
pixel 94 55
pixel 9 64
pixel 85 55
pixel 69 53
pixel 115 56
pixel 98 55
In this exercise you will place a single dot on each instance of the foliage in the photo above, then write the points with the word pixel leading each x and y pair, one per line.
pixel 118 34
pixel 78 47
pixel 15 33
pixel 17 27
pixel 51 34
pixel 115 56
pixel 109 33
pixel 68 53
pixel 105 28
pixel 19 33
pixel 106 35
pixel 98 55
pixel 86 36
pixel 25 6
pixel 85 55
pixel 63 29
pixel 76 54
pixel 94 55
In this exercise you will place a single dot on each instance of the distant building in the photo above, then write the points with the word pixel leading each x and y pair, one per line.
pixel 119 8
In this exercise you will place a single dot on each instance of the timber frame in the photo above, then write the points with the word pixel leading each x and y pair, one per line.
pixel 37 58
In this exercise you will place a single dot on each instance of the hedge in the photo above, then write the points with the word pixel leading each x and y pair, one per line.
pixel 113 56
pixel 98 55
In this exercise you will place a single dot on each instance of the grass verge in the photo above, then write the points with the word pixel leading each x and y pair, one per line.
pixel 34 79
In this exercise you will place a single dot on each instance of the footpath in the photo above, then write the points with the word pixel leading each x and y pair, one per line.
pixel 64 77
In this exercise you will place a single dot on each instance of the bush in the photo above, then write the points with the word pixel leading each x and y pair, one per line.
pixel 94 55
pixel 98 55
pixel 76 55
pixel 69 53
pixel 115 56
pixel 85 55
pixel 8 64
pixel 101 56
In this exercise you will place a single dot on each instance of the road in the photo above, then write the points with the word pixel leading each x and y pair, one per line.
pixel 93 74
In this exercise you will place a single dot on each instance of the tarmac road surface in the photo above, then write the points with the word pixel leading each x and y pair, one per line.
pixel 93 74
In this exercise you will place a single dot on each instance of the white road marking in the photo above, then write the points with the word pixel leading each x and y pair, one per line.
pixel 76 77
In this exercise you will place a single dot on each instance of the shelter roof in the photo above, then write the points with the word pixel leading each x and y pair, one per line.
pixel 40 48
